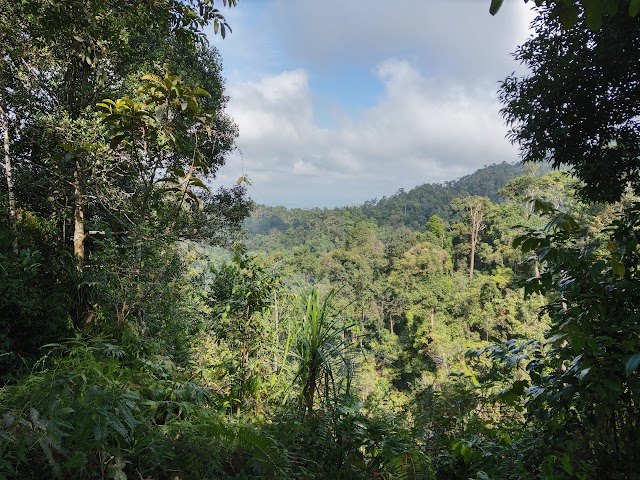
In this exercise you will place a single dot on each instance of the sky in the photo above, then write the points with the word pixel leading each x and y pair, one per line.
pixel 339 102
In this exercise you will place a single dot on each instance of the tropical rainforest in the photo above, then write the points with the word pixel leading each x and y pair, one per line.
pixel 155 328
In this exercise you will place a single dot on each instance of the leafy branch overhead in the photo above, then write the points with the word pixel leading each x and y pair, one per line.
pixel 569 11
pixel 167 130
pixel 579 104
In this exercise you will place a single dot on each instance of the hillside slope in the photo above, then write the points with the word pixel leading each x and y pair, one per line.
pixel 411 208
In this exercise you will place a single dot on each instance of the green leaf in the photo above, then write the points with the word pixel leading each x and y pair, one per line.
pixel 617 266
pixel 495 6
pixel 177 171
pixel 115 141
pixel 98 431
pixel 201 91
pixel 634 7
pixel 593 12
pixel 466 453
pixel 632 364
pixel 201 165
pixel 118 426
pixel 566 464
pixel 529 244
pixel 583 373
pixel 196 182
pixel 577 342
pixel 65 411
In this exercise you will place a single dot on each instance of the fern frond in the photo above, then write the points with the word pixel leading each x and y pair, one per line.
pixel 411 465
pixel 265 449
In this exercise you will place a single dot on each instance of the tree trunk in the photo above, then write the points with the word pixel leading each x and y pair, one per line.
pixel 476 214
pixel 79 234
pixel 473 252
pixel 277 320
pixel 13 214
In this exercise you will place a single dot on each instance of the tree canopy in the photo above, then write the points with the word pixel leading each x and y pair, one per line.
pixel 580 104
pixel 569 12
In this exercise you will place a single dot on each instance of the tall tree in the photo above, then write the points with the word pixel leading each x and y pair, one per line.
pixel 580 104
pixel 473 209
pixel 82 193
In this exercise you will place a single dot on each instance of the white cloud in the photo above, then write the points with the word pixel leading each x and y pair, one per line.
pixel 422 129
pixel 274 107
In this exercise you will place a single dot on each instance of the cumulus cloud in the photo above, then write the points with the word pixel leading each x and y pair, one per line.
pixel 421 129
pixel 340 102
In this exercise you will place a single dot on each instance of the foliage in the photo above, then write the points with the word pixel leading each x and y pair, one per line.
pixel 578 106
pixel 192 362
pixel 240 294
pixel 591 361
pixel 93 410
pixel 98 199
pixel 320 349
pixel 352 441
pixel 570 12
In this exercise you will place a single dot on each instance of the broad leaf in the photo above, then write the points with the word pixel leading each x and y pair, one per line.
pixel 632 364
pixel 495 6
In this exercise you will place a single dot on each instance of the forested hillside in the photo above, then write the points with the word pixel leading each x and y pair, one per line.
pixel 486 328
pixel 279 228
pixel 411 208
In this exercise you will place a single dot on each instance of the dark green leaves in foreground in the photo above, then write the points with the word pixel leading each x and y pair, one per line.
pixel 569 11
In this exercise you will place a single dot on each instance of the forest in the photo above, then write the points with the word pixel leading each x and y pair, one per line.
pixel 155 328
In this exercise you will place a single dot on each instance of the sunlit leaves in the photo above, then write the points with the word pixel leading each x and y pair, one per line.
pixel 593 289
pixel 150 128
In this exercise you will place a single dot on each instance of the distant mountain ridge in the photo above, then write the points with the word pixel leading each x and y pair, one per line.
pixel 411 208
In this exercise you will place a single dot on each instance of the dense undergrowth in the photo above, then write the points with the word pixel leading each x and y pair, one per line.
pixel 143 335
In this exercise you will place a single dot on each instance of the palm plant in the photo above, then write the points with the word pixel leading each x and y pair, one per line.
pixel 320 349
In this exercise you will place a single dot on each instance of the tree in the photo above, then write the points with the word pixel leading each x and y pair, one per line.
pixel 437 231
pixel 420 279
pixel 98 231
pixel 305 262
pixel 580 104
pixel 355 270
pixel 568 12
pixel 473 208
pixel 240 292
pixel 586 378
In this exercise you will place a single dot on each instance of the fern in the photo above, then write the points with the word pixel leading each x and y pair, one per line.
pixel 264 448
pixel 411 465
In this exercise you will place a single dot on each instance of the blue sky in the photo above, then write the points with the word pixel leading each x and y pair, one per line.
pixel 342 102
